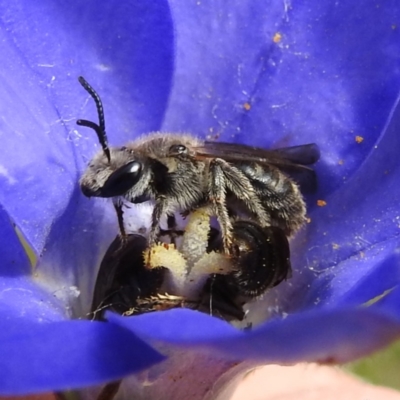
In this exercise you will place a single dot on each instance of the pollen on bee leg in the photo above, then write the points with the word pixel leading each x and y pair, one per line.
pixel 160 254
pixel 189 265
pixel 195 239
pixel 166 255
pixel 209 263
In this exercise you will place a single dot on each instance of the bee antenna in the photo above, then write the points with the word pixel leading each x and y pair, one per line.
pixel 99 128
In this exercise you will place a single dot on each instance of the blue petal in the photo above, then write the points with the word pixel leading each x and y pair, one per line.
pixel 22 297
pixel 341 333
pixel 322 335
pixel 333 75
pixel 19 295
pixel 39 351
pixel 314 85
pixel 125 50
pixel 330 79
pixel 354 241
pixel 14 260
pixel 63 355
pixel 356 280
pixel 74 248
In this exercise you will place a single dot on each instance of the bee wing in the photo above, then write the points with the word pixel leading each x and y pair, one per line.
pixel 292 160
pixel 305 154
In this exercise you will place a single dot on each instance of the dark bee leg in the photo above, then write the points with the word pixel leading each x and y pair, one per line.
pixel 173 230
pixel 160 209
pixel 225 176
pixel 120 215
pixel 241 187
pixel 217 195
pixel 171 222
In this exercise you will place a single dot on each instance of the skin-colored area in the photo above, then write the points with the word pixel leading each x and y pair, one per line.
pixel 299 382
pixel 308 382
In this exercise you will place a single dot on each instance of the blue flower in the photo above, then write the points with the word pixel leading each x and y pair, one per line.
pixel 267 75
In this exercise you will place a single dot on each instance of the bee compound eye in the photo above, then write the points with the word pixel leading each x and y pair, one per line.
pixel 123 179
pixel 177 149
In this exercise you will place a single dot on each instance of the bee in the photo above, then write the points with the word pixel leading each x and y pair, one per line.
pixel 125 285
pixel 253 193
pixel 181 173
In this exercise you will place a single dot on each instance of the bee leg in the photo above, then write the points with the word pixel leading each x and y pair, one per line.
pixel 159 210
pixel 241 187
pixel 172 232
pixel 217 195
pixel 171 222
pixel 120 217
pixel 225 176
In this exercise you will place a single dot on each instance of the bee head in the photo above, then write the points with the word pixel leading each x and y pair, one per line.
pixel 113 172
pixel 115 178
